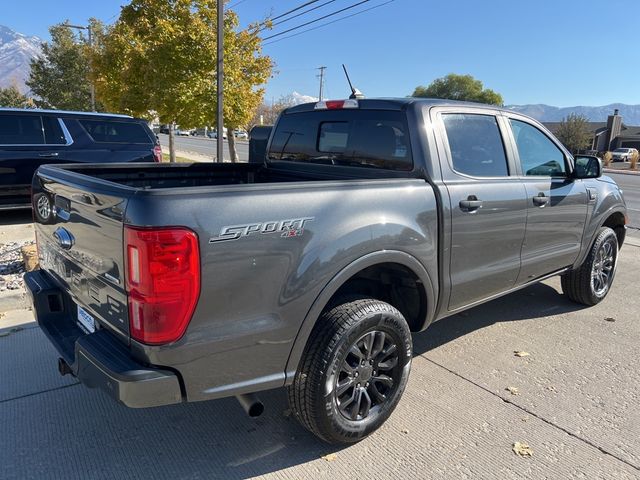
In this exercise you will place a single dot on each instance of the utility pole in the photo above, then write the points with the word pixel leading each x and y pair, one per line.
pixel 92 88
pixel 322 69
pixel 220 112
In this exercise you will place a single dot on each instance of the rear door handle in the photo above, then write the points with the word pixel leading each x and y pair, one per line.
pixel 471 203
pixel 541 199
pixel 48 155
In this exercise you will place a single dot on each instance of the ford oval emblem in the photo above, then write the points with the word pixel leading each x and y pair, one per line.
pixel 64 238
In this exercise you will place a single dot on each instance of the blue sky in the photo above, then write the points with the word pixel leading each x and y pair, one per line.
pixel 558 52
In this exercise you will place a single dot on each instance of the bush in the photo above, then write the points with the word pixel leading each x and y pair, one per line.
pixel 606 158
pixel 634 160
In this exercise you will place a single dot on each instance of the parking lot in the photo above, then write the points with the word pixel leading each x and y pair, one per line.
pixel 576 404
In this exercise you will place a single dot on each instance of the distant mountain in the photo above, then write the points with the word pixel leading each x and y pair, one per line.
pixel 547 113
pixel 16 52
pixel 296 98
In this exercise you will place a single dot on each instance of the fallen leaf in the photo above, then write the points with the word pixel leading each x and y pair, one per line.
pixel 405 431
pixel 330 457
pixel 551 388
pixel 513 390
pixel 520 353
pixel 522 449
pixel 609 319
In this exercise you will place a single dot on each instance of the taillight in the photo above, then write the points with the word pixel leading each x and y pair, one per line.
pixel 157 153
pixel 163 282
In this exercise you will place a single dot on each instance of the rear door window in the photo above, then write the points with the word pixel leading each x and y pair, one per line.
pixel 358 138
pixel 53 134
pixel 21 130
pixel 476 145
pixel 110 131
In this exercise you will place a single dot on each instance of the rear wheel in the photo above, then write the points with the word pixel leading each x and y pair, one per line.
pixel 590 283
pixel 353 372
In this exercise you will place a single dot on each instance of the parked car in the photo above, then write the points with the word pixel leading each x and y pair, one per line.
pixel 185 132
pixel 623 154
pixel 214 134
pixel 164 128
pixel 241 134
pixel 30 138
pixel 366 221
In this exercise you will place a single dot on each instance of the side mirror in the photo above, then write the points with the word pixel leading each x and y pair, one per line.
pixel 587 166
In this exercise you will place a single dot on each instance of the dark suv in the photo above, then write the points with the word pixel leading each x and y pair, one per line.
pixel 30 138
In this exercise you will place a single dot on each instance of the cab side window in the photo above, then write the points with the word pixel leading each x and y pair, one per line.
pixel 476 145
pixel 539 156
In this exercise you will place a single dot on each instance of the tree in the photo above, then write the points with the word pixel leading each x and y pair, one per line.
pixel 268 113
pixel 11 97
pixel 60 78
pixel 574 132
pixel 160 59
pixel 459 87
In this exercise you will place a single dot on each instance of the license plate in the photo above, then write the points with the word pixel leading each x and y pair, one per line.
pixel 85 320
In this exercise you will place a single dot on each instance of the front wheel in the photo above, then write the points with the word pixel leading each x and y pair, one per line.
pixel 590 283
pixel 353 371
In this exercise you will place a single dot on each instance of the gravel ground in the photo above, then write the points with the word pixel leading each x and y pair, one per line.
pixel 12 265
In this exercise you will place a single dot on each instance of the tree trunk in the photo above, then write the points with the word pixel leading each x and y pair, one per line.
pixel 232 145
pixel 172 142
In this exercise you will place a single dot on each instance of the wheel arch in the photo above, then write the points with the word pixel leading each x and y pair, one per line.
pixel 343 277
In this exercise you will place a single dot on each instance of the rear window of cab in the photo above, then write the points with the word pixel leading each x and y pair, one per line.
pixel 347 137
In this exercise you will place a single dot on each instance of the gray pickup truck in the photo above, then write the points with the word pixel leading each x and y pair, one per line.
pixel 365 221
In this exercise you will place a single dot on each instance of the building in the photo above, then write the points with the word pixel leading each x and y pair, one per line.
pixel 609 135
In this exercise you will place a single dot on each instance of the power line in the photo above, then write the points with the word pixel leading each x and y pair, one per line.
pixel 316 20
pixel 331 22
pixel 235 4
pixel 294 9
pixel 303 13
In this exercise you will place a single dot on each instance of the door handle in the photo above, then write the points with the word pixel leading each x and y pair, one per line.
pixel 541 199
pixel 48 155
pixel 471 203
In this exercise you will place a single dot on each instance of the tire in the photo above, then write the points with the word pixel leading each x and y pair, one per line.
pixel 591 282
pixel 43 208
pixel 353 371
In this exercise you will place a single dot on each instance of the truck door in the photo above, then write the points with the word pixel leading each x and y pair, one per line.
pixel 556 203
pixel 487 205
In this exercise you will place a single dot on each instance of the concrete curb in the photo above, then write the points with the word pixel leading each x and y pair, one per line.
pixel 623 172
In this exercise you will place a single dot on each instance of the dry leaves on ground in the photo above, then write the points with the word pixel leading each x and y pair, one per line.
pixel 520 353
pixel 522 449
pixel 330 457
pixel 513 390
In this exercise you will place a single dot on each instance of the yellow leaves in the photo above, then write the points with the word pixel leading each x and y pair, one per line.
pixel 522 449
pixel 520 353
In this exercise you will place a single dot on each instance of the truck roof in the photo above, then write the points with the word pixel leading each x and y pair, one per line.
pixel 397 104
pixel 62 112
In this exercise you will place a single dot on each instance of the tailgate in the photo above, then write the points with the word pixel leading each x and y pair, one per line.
pixel 81 248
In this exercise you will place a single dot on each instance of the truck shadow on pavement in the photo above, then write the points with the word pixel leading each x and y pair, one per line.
pixel 70 431
pixel 538 300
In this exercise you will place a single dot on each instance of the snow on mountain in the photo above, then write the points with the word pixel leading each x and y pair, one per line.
pixel 547 113
pixel 298 98
pixel 16 52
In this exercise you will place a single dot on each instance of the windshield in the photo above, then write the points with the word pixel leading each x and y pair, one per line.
pixel 621 150
pixel 357 138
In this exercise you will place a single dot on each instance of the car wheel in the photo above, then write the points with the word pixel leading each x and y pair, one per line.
pixel 43 208
pixel 591 282
pixel 353 371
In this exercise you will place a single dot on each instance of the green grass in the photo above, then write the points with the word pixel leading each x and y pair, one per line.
pixel 165 159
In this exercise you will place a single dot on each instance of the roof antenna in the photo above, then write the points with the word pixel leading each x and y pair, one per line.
pixel 355 93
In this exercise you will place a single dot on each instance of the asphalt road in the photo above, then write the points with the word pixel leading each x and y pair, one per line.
pixel 577 406
pixel 630 185
pixel 206 146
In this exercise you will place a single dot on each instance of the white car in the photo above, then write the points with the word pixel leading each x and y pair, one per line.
pixel 183 132
pixel 214 134
pixel 623 154
pixel 241 134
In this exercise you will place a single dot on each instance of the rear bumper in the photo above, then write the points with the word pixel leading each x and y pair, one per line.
pixel 99 359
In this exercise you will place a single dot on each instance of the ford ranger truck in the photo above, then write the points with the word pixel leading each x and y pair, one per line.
pixel 365 221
